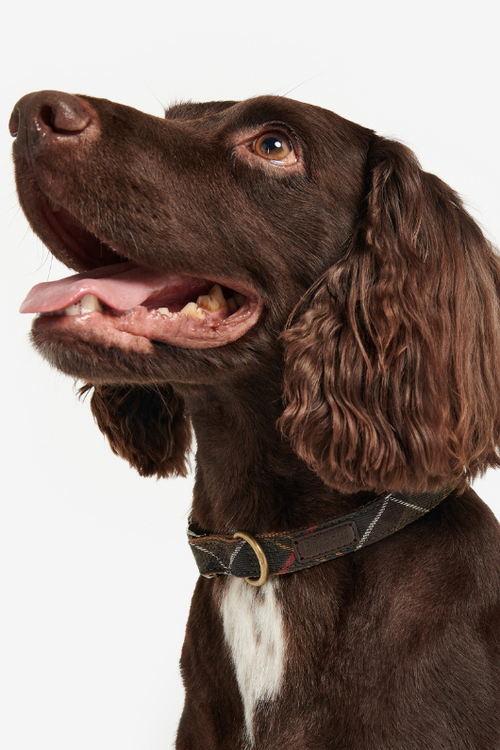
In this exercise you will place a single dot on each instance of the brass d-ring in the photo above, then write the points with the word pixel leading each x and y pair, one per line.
pixel 264 566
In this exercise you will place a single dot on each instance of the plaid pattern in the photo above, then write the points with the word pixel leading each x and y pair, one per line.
pixel 223 555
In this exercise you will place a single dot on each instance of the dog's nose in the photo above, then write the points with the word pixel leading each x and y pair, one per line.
pixel 39 118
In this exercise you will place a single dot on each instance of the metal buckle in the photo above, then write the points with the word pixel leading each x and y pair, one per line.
pixel 264 566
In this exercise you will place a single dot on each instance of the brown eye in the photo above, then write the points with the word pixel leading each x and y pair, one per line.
pixel 274 147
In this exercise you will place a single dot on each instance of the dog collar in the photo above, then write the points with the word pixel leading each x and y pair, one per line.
pixel 257 557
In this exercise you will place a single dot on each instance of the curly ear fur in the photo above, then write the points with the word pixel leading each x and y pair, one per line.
pixel 146 426
pixel 392 375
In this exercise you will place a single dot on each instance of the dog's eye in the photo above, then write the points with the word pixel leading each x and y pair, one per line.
pixel 274 147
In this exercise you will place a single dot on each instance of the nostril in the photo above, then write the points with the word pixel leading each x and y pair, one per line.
pixel 50 112
pixel 66 116
pixel 41 119
pixel 47 117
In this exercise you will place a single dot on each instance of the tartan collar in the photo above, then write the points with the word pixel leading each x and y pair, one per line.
pixel 255 558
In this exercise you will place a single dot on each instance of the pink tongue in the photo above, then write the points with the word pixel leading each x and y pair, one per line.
pixel 122 286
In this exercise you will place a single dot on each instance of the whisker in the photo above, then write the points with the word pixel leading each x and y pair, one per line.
pixel 311 78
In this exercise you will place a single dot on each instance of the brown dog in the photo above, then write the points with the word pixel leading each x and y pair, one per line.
pixel 326 316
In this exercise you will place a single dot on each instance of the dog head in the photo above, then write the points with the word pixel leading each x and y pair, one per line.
pixel 321 253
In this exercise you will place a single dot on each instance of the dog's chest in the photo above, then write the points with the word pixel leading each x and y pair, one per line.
pixel 254 632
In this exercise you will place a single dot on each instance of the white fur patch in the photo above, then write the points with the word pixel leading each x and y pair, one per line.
pixel 253 628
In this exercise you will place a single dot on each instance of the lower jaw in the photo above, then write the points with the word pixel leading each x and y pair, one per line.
pixel 138 329
pixel 99 359
pixel 98 364
pixel 92 329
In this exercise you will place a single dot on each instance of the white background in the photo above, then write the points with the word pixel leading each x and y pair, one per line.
pixel 95 574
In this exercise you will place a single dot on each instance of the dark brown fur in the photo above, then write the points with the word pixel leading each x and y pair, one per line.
pixel 375 366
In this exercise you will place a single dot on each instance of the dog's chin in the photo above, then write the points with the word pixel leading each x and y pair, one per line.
pixel 91 355
pixel 83 360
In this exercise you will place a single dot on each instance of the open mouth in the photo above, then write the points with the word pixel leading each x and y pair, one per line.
pixel 117 302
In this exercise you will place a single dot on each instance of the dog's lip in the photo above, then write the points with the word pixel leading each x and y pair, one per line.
pixel 141 307
pixel 111 261
pixel 78 247
pixel 132 294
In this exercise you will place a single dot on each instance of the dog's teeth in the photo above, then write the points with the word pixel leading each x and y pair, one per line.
pixel 192 309
pixel 90 303
pixel 239 298
pixel 165 311
pixel 74 309
pixel 213 301
pixel 217 295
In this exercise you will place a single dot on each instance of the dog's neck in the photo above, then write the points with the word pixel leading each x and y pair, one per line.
pixel 247 476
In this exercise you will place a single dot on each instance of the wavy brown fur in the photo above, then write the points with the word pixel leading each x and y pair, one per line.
pixel 392 377
pixel 148 427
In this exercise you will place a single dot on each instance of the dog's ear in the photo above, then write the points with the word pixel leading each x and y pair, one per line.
pixel 392 370
pixel 147 426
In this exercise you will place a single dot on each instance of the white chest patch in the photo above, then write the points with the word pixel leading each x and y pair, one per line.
pixel 253 628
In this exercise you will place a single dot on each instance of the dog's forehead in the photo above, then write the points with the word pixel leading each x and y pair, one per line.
pixel 197 110
pixel 248 112
pixel 226 116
